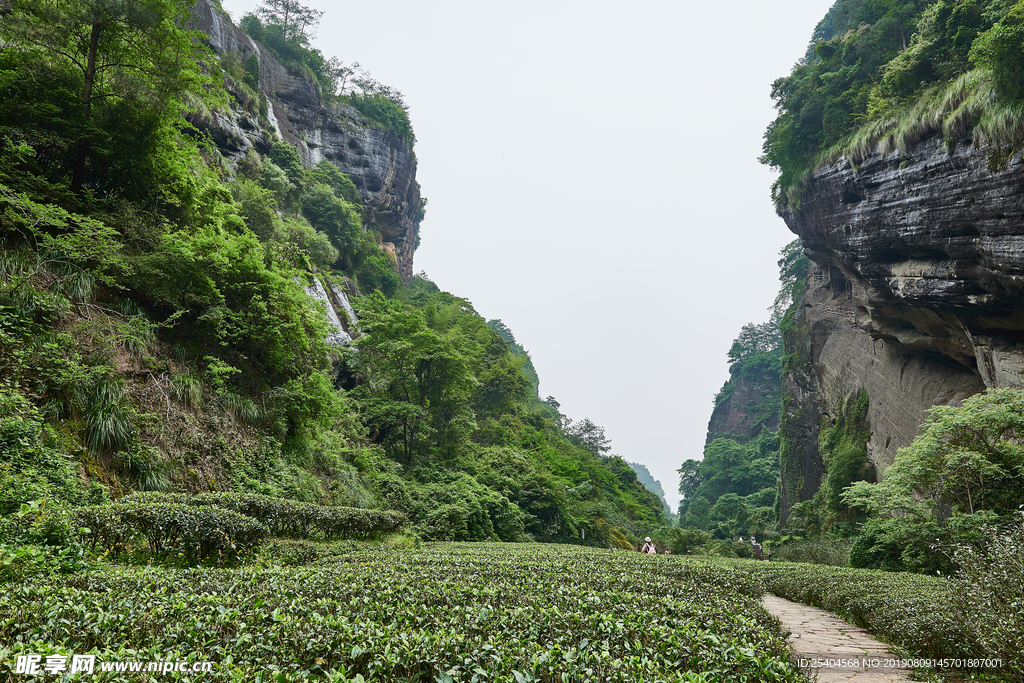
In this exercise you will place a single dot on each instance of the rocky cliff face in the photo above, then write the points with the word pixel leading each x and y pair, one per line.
pixel 380 164
pixel 742 415
pixel 915 294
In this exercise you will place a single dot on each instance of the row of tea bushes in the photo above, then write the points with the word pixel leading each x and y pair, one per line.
pixel 446 612
pixel 291 518
pixel 198 533
pixel 915 612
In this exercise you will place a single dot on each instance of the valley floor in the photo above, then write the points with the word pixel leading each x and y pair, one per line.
pixel 438 613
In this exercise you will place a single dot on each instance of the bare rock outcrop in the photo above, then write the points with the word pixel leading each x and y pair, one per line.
pixel 916 294
pixel 382 165
pixel 740 416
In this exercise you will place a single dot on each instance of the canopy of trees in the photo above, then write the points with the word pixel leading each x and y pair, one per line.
pixel 965 471
pixel 155 333
pixel 881 66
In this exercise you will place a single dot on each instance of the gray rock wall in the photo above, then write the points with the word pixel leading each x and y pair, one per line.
pixel 381 165
pixel 733 417
pixel 915 294
pixel 933 244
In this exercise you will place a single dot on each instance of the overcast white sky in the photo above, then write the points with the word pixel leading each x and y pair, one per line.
pixel 593 181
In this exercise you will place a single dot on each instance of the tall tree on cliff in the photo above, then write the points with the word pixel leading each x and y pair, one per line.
pixel 297 21
pixel 122 53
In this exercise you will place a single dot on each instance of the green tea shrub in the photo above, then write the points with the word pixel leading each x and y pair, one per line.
pixel 908 610
pixel 829 551
pixel 198 532
pixel 494 611
pixel 988 592
pixel 40 538
pixel 284 517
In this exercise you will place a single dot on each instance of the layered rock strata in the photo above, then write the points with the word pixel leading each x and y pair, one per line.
pixel 915 293
pixel 737 417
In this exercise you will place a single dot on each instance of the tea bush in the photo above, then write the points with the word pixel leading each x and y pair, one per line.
pixel 909 610
pixel 199 533
pixel 830 551
pixel 292 518
pixel 988 591
pixel 449 612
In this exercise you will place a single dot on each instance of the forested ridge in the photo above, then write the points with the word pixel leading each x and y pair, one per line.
pixel 155 331
pixel 883 74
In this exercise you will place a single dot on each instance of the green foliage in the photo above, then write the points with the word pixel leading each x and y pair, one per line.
pixel 31 466
pixel 875 87
pixel 730 480
pixel 687 541
pixel 130 65
pixel 337 218
pixel 256 202
pixel 417 383
pixel 155 335
pixel 330 175
pixel 290 518
pixel 824 550
pixel 287 158
pixel 445 612
pixel 1000 50
pixel 197 533
pixel 389 114
pixel 290 44
pixel 842 446
pixel 474 453
pixel 914 612
pixel 252 71
pixel 964 471
pixel 989 588
pixel 39 539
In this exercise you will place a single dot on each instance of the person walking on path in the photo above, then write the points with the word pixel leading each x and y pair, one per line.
pixel 648 547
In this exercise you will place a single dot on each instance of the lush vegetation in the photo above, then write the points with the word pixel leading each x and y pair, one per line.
pixel 972 614
pixel 444 613
pixel 155 333
pixel 963 474
pixel 286 27
pixel 731 491
pixel 882 74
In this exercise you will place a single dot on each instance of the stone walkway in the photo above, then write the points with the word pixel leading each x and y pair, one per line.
pixel 832 648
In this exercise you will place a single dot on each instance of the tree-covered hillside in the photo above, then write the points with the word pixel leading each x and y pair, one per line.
pixel 882 74
pixel 731 491
pixel 155 333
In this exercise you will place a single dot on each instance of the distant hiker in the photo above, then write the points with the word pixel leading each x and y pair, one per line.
pixel 769 554
pixel 649 547
pixel 667 551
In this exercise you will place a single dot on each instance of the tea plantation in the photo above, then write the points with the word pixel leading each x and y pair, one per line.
pixel 445 612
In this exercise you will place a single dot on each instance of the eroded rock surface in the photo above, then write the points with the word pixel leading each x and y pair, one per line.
pixel 737 416
pixel 380 164
pixel 933 245
pixel 915 293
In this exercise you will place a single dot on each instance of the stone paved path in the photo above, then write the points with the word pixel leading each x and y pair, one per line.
pixel 820 635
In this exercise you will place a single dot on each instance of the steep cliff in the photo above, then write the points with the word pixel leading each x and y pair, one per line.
pixel 750 405
pixel 382 166
pixel 914 296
